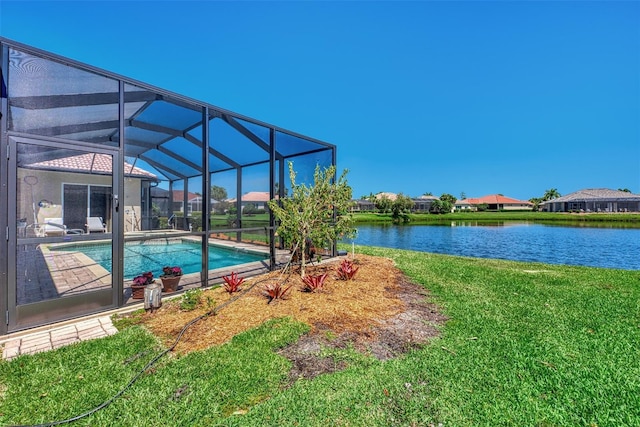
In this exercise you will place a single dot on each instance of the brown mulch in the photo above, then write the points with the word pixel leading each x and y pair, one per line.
pixel 379 312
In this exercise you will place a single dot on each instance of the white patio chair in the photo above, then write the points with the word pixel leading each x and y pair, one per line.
pixel 51 227
pixel 94 223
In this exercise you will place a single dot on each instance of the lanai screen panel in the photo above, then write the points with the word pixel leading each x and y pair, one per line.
pixel 231 140
pixel 158 133
pixel 164 135
pixel 305 155
pixel 49 98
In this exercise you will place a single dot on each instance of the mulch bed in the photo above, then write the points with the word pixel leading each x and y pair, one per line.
pixel 378 312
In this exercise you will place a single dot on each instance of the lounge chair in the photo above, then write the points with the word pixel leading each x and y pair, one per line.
pixel 51 227
pixel 49 222
pixel 94 223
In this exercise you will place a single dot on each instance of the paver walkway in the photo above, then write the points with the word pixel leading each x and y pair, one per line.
pixel 53 338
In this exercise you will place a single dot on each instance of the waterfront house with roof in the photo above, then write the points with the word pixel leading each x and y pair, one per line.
pixel 494 202
pixel 594 200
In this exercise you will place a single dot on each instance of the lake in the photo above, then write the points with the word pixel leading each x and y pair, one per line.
pixel 519 241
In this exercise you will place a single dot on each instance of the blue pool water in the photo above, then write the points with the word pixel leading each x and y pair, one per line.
pixel 145 256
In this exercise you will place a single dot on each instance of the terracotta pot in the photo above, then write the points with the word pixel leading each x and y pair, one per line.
pixel 170 284
pixel 137 291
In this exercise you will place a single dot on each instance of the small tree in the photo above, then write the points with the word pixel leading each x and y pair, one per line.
pixel 440 206
pixel 446 197
pixel 218 193
pixel 314 214
pixel 400 208
pixel 383 203
pixel 536 203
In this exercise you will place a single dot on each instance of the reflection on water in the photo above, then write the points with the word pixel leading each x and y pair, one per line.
pixel 520 241
pixel 484 223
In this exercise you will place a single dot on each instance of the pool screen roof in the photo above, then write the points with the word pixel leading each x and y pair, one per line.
pixel 163 132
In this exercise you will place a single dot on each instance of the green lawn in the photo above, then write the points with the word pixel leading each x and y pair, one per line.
pixel 527 344
pixel 629 219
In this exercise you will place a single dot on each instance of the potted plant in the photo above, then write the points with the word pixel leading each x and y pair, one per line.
pixel 170 278
pixel 139 283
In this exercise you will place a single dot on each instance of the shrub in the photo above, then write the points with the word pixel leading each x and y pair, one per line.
pixel 275 291
pixel 346 270
pixel 190 299
pixel 313 283
pixel 233 282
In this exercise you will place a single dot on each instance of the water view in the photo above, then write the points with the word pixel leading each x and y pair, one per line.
pixel 595 247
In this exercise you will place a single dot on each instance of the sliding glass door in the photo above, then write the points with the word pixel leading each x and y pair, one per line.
pixel 84 201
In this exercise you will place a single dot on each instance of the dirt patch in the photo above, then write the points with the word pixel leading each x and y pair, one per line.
pixel 379 312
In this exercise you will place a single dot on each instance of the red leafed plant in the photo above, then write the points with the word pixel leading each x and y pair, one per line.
pixel 346 270
pixel 233 282
pixel 313 283
pixel 275 291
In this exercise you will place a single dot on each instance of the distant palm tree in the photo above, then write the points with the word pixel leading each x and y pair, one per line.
pixel 551 193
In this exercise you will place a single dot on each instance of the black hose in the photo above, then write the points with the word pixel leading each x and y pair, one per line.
pixel 153 361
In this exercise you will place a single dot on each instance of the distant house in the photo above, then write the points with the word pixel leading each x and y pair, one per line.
pixel 178 202
pixel 464 205
pixel 258 199
pixel 494 202
pixel 160 198
pixel 594 200
pixel 390 196
pixel 363 205
pixel 420 204
pixel 423 203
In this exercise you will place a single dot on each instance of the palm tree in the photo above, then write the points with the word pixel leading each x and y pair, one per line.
pixel 551 193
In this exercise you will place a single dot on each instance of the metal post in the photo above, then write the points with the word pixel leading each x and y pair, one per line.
pixel 239 203
pixel 4 190
pixel 272 176
pixel 206 197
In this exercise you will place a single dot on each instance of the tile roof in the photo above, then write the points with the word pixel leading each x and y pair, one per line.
pixel 424 197
pixel 494 199
pixel 596 194
pixel 92 163
pixel 390 196
pixel 179 194
pixel 254 196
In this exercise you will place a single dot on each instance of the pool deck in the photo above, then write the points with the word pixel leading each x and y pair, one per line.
pixel 80 270
pixel 55 336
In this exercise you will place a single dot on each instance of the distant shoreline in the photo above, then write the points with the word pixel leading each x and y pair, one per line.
pixel 631 219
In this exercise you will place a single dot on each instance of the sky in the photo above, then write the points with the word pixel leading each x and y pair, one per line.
pixel 473 98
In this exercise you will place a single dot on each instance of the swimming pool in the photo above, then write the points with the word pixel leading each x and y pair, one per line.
pixel 153 255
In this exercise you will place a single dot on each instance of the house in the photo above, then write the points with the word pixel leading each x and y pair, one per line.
pixel 76 187
pixel 494 202
pixel 464 205
pixel 594 200
pixel 420 204
pixel 193 201
pixel 258 199
pixel 423 203
pixel 363 205
pixel 390 196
